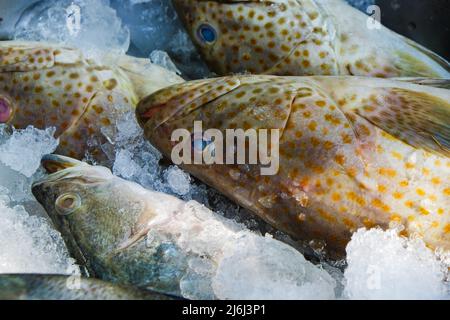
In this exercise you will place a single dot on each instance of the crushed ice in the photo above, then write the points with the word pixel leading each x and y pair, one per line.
pixel 383 265
pixel 28 242
pixel 91 25
pixel 380 263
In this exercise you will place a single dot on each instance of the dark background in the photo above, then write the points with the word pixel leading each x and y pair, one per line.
pixel 425 21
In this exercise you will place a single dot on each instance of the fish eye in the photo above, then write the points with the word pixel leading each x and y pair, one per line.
pixel 200 145
pixel 5 110
pixel 207 33
pixel 67 203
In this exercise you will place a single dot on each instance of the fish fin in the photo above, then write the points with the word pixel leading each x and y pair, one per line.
pixel 437 83
pixel 135 238
pixel 414 66
pixel 146 77
pixel 32 56
pixel 418 118
pixel 140 229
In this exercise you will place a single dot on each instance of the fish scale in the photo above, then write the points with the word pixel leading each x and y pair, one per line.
pixel 301 37
pixel 49 85
pixel 341 167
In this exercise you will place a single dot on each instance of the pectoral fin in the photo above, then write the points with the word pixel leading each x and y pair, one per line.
pixel 415 117
pixel 412 65
pixel 436 83
pixel 139 231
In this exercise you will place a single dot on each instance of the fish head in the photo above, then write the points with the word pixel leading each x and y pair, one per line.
pixel 243 36
pixel 258 104
pixel 87 205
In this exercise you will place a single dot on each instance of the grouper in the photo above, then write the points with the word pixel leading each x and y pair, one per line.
pixel 62 287
pixel 123 233
pixel 50 85
pixel 302 37
pixel 352 152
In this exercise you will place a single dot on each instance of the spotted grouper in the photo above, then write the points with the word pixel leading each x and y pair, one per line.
pixel 48 85
pixel 353 152
pixel 302 37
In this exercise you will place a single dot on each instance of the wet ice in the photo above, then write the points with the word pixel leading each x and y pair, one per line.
pixel 91 25
pixel 380 263
pixel 28 242
pixel 383 265
pixel 28 144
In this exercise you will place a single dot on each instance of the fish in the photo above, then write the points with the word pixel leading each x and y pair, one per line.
pixel 50 85
pixel 63 287
pixel 302 38
pixel 125 234
pixel 354 152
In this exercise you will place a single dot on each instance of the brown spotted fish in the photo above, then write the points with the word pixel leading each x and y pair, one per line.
pixel 302 37
pixel 47 85
pixel 353 152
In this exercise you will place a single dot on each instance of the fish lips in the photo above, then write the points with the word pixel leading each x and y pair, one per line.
pixel 65 168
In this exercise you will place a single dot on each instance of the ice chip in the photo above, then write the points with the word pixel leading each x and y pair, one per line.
pixel 162 59
pixel 23 151
pixel 178 180
pixel 383 265
pixel 28 244
pixel 256 267
pixel 91 25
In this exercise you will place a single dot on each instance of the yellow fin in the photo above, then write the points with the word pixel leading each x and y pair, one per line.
pixel 437 83
pixel 413 66
pixel 417 118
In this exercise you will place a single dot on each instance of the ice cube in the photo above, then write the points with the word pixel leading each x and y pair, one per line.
pixel 178 180
pixel 383 265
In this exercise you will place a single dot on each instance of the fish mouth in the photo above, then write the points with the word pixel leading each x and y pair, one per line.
pixel 53 163
pixel 64 168
pixel 182 99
